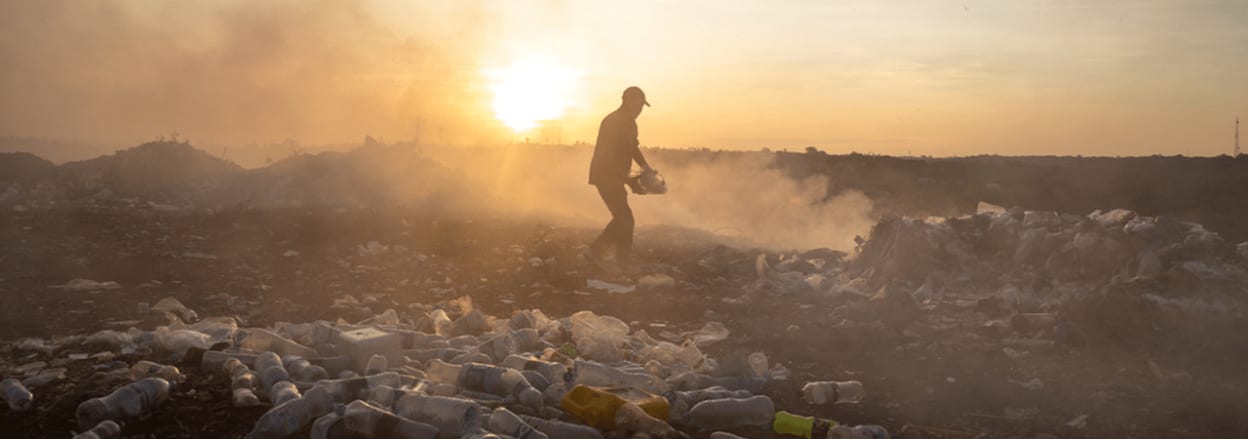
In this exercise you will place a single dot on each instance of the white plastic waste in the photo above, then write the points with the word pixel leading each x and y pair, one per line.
pixel 376 364
pixel 264 340
pixel 486 378
pixel 327 427
pixel 283 391
pixel 714 414
pixel 286 419
pixel 269 368
pixel 555 372
pixel 303 370
pixel 365 421
pixel 173 306
pixel 832 392
pixel 129 401
pixel 103 430
pixel 503 421
pixel 19 398
pixel 146 369
pixel 561 430
pixel 591 373
pixel 349 389
pixel 455 416
pixel 679 402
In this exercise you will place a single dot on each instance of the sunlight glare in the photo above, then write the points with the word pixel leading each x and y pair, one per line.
pixel 529 92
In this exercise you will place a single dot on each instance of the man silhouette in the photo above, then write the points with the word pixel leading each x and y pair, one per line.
pixel 616 149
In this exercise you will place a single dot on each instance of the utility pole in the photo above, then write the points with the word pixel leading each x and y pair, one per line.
pixel 1236 137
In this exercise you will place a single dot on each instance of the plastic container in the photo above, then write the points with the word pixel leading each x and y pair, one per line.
pixel 590 373
pixel 597 406
pixel 133 399
pixel 148 369
pixel 17 395
pixel 832 392
pixel 455 416
pixel 283 391
pixel 376 364
pixel 555 372
pixel 486 378
pixel 362 420
pixel 712 414
pixel 498 347
pixel 503 421
pixel 327 427
pixel 682 401
pixel 103 430
pixel 264 340
pixel 286 419
pixel 270 370
pixel 303 370
pixel 562 430
pixel 346 390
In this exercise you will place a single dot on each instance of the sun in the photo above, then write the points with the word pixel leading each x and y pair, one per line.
pixel 531 91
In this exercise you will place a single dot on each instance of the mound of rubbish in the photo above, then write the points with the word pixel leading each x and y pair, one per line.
pixel 24 168
pixel 445 370
pixel 161 170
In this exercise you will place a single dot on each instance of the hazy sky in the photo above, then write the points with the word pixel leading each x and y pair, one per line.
pixel 897 77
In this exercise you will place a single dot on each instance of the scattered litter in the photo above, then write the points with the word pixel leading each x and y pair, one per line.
pixel 87 285
pixel 610 288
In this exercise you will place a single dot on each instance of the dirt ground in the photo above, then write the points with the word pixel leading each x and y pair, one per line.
pixel 927 373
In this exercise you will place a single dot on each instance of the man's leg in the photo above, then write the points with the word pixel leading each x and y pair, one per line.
pixel 619 231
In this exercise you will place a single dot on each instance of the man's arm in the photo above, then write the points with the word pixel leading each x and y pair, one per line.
pixel 637 155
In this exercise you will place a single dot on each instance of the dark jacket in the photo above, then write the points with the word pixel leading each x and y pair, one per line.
pixel 615 150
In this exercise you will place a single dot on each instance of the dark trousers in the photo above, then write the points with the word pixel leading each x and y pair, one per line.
pixel 619 231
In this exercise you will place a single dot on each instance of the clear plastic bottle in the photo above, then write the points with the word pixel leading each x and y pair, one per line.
pixel 810 427
pixel 455 416
pixel 283 391
pixel 554 372
pixel 129 401
pixel 496 380
pixel 17 395
pixel 724 435
pixel 858 432
pixel 681 401
pixel 832 392
pixel 303 370
pixel 725 413
pixel 148 369
pixel 362 420
pixel 694 381
pixel 264 340
pixel 270 370
pixel 327 427
pixel 503 421
pixel 562 430
pixel 215 360
pixel 498 346
pixel 386 396
pixel 527 339
pixel 103 430
pixel 474 322
pixel 286 419
pixel 350 389
pixel 242 383
pixel 590 373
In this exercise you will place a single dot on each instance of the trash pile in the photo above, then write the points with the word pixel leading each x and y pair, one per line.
pixel 1135 279
pixel 445 370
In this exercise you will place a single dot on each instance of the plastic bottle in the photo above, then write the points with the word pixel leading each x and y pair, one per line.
pixel 376 364
pixel 19 398
pixel 131 400
pixel 362 420
pixel 349 389
pixel 598 407
pixel 498 346
pixel 270 370
pixel 215 360
pixel 817 428
pixel 562 430
pixel 694 380
pixel 283 391
pixel 554 372
pixel 386 396
pixel 454 416
pixel 632 417
pixel 596 374
pixel 474 322
pixel 286 419
pixel 327 427
pixel 527 339
pixel 425 355
pixel 303 370
pixel 832 392
pixel 103 430
pixel 503 421
pixel 682 401
pixel 725 413
pixel 496 380
pixel 148 369
pixel 471 357
pixel 724 435
pixel 441 322
pixel 242 383
pixel 264 340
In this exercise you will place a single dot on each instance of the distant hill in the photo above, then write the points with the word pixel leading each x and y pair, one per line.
pixel 149 169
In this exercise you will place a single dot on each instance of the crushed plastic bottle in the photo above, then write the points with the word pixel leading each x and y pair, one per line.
pixel 487 378
pixel 242 383
pixel 303 370
pixel 283 391
pixel 286 419
pixel 376 364
pixel 554 372
pixel 681 401
pixel 103 430
pixel 264 340
pixel 129 401
pixel 327 427
pixel 148 369
pixel 455 416
pixel 503 421
pixel 270 370
pixel 19 398
pixel 591 373
pixel 562 430
pixel 724 413
pixel 832 392
pixel 441 322
pixel 349 389
pixel 362 420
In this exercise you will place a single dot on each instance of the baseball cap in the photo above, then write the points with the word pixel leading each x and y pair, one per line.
pixel 635 92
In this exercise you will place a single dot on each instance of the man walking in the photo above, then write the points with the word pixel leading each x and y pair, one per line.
pixel 616 149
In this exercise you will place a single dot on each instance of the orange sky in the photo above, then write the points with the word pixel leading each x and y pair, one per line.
pixel 900 77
